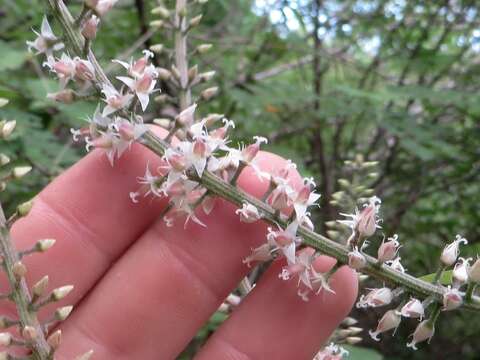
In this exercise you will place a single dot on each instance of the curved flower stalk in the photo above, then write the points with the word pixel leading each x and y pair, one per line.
pixel 202 165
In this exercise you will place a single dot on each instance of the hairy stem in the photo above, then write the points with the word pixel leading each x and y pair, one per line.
pixel 220 188
pixel 20 294
pixel 181 59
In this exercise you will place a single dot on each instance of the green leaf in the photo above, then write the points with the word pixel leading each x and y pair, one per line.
pixel 446 278
pixel 11 58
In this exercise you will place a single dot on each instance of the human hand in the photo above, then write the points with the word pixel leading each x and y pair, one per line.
pixel 142 290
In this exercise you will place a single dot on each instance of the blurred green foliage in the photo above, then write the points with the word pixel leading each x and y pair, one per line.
pixel 395 81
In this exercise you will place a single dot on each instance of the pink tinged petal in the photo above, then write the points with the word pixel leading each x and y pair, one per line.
pixel 127 81
pixel 289 252
pixel 144 100
pixel 122 63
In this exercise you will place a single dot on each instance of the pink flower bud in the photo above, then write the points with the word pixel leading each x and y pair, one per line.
pixel 187 116
pixel 248 213
pixel 424 331
pixel 450 252
pixel 388 250
pixel 390 320
pixel 64 68
pixel 452 299
pixel 413 309
pixel 104 6
pixel 356 260
pixel 84 70
pixel 90 26
pixel 367 220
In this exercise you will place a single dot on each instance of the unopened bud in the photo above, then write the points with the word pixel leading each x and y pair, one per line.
pixel 349 321
pixel 196 20
pixel 353 340
pixel 24 209
pixel 5 339
pixel 3 102
pixel 90 27
pixel 450 252
pixel 55 339
pixel 45 244
pixel 175 72
pixel 61 292
pixel 163 12
pixel 19 270
pixel 207 76
pixel 4 159
pixel 7 128
pixel 203 48
pixel 21 171
pixel 157 48
pixel 164 74
pixel 40 287
pixel 62 313
pixel 29 333
pixel 209 93
pixel 192 73
pixel 161 98
pixel 157 23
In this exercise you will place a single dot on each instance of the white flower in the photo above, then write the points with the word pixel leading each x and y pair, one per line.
pixel 64 68
pixel 452 299
pixel 331 352
pixel 304 198
pixel 301 268
pixel 365 222
pixel 413 309
pixel 46 42
pixel 248 213
pixel 424 331
pixel 390 320
pixel 115 101
pixel 376 298
pixel 460 272
pixel 450 252
pixel 356 260
pixel 388 249
pixel 396 265
pixel 262 253
pixel 142 86
pixel 285 240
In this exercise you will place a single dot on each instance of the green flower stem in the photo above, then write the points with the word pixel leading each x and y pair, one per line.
pixel 20 294
pixel 470 290
pixel 220 188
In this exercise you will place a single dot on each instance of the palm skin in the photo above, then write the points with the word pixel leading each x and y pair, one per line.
pixel 142 290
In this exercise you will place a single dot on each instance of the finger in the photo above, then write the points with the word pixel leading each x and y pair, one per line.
pixel 152 302
pixel 273 322
pixel 89 212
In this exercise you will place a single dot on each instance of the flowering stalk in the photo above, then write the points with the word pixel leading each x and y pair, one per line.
pixel 20 294
pixel 221 188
